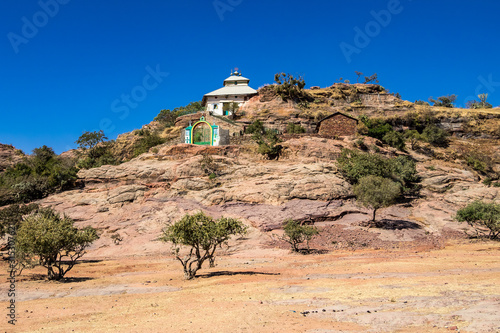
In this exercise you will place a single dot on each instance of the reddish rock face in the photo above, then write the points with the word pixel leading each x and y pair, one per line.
pixel 337 124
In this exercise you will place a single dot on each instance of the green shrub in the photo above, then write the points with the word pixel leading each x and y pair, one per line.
pixel 296 234
pixel 148 140
pixel 289 87
pixel 377 128
pixel 51 241
pixel 435 135
pixel 269 144
pixel 484 217
pixel 255 128
pixel 394 139
pixel 295 128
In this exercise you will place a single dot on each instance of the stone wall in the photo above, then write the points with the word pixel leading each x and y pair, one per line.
pixel 337 125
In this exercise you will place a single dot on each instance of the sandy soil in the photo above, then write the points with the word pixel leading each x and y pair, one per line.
pixel 455 288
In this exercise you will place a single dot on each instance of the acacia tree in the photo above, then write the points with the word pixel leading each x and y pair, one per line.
pixel 484 217
pixel 446 101
pixel 52 241
pixel 296 234
pixel 377 192
pixel 200 235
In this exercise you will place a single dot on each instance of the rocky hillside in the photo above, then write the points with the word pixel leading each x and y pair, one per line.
pixel 133 201
pixel 130 203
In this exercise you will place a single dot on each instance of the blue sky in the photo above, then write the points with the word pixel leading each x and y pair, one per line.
pixel 69 66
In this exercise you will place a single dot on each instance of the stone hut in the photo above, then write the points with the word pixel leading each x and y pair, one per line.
pixel 337 124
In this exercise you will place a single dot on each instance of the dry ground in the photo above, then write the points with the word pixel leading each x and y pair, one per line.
pixel 456 288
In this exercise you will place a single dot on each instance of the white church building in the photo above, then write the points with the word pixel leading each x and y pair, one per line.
pixel 235 90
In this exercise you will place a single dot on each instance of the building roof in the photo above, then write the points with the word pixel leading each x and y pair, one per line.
pixel 232 90
pixel 338 113
pixel 242 88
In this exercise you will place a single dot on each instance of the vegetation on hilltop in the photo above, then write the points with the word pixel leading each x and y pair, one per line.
pixel 36 176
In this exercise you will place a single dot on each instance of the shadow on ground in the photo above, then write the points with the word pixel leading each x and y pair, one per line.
pixel 228 273
pixel 389 224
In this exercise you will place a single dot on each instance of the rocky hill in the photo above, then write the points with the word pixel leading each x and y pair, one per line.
pixel 130 203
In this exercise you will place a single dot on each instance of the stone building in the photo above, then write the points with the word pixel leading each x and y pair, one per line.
pixel 235 90
pixel 337 124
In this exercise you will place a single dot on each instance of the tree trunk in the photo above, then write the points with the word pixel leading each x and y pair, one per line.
pixel 374 211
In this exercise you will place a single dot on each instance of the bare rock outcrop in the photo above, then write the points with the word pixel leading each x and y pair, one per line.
pixel 9 156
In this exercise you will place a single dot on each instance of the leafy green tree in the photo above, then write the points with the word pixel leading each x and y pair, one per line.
pixel 52 241
pixel 354 165
pixel 168 117
pixel 296 234
pixel 36 176
pixel 377 192
pixel 11 216
pixel 412 136
pixel 289 87
pixel 446 101
pixel 484 217
pixel 89 140
pixel 95 150
pixel 201 235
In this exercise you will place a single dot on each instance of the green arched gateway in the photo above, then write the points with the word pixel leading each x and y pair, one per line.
pixel 202 133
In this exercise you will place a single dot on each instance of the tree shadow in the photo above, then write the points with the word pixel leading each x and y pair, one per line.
pixel 228 273
pixel 312 251
pixel 388 224
pixel 75 279
pixel 85 261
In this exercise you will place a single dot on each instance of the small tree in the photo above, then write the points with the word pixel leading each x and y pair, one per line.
pixel 49 240
pixel 446 101
pixel 484 217
pixel 89 140
pixel 372 78
pixel 289 87
pixel 11 216
pixel 413 137
pixel 377 192
pixel 296 234
pixel 201 234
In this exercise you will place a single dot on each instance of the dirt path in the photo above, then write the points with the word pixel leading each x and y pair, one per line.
pixel 453 289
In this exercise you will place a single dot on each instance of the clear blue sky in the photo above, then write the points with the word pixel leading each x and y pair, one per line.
pixel 69 66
